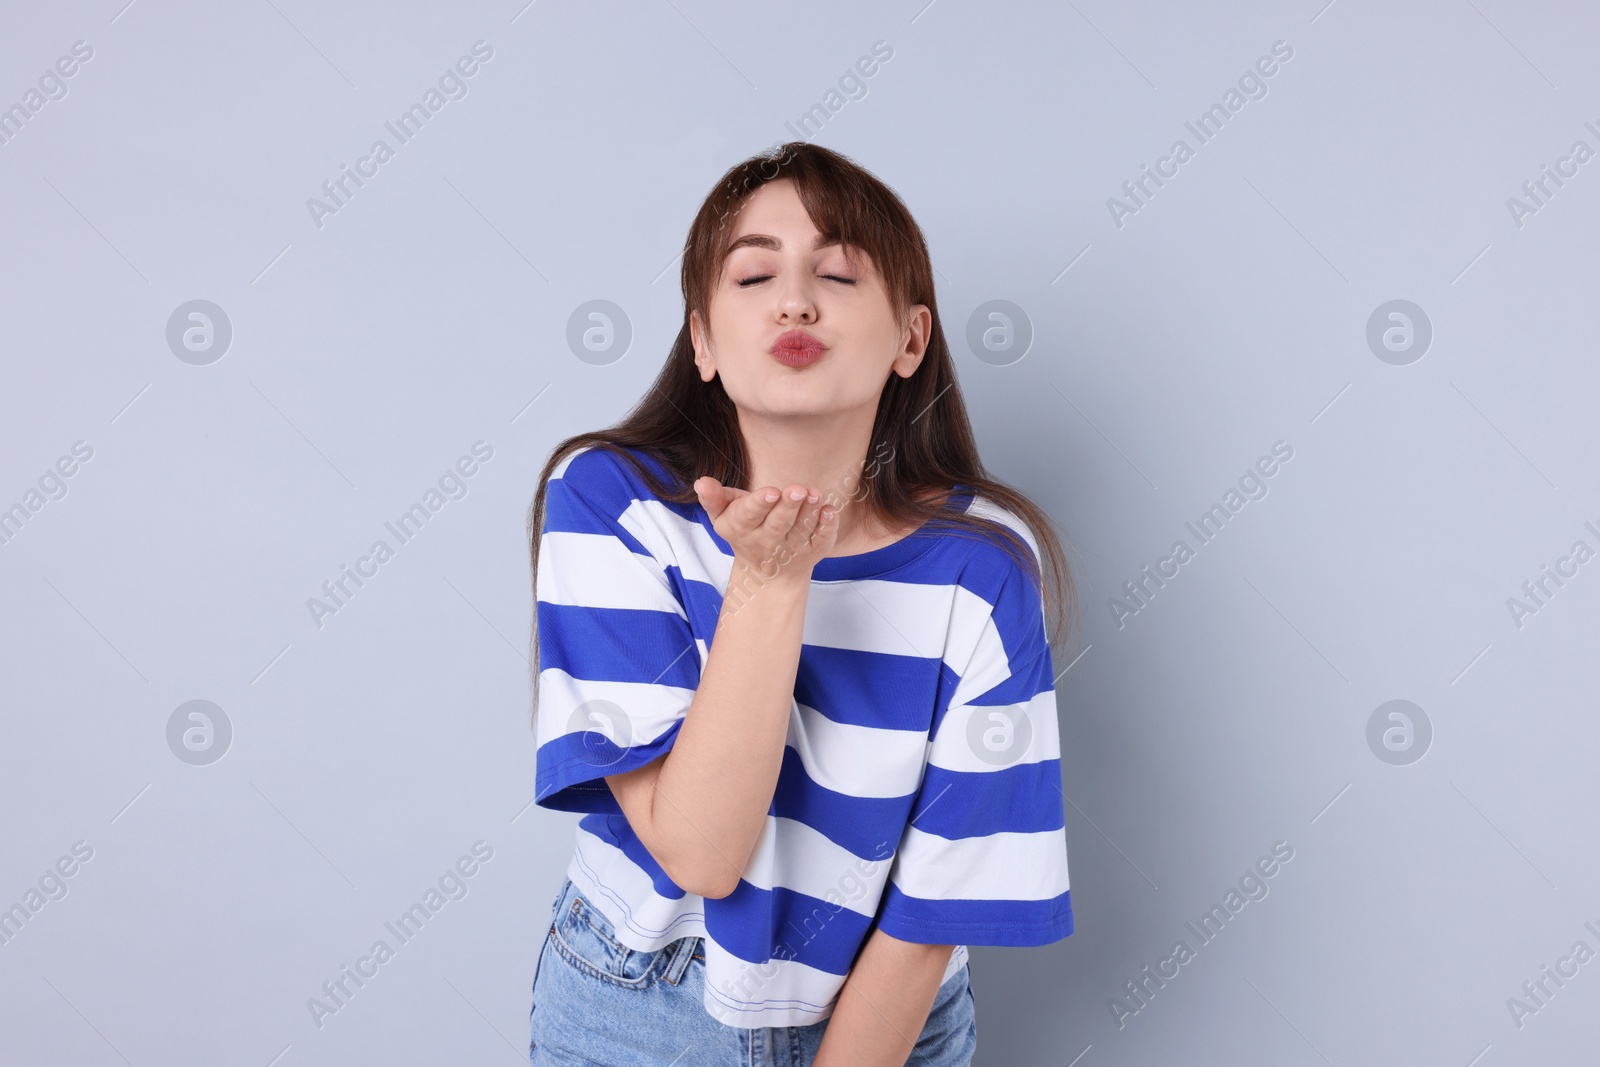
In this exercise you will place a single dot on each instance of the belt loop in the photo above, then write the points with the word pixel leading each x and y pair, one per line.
pixel 678 963
pixel 555 904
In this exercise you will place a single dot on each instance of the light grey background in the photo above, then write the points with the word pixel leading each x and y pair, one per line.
pixel 1168 354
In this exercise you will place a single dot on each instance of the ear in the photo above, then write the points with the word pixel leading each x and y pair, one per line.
pixel 702 351
pixel 917 333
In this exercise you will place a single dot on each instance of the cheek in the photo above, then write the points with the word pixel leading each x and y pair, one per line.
pixel 877 348
pixel 862 372
pixel 736 321
pixel 735 341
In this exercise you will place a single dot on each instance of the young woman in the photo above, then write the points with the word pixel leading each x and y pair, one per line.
pixel 791 661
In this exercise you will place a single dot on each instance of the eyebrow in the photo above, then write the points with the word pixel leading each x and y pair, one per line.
pixel 761 240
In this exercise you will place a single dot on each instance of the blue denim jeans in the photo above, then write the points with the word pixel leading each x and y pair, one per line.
pixel 597 1002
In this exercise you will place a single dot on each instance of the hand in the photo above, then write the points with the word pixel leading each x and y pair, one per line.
pixel 788 533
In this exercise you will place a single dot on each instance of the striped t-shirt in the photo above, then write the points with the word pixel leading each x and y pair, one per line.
pixel 920 789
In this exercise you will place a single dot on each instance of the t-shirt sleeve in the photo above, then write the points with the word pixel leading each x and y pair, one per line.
pixel 983 860
pixel 618 664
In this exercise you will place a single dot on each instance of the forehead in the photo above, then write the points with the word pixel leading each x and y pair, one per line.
pixel 774 218
pixel 773 211
pixel 775 203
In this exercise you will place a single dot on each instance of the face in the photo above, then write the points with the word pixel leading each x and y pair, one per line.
pixel 775 280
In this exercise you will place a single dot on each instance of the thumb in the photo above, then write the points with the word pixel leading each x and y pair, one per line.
pixel 713 495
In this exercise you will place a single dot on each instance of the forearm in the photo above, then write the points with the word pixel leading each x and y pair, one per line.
pixel 717 782
pixel 884 1003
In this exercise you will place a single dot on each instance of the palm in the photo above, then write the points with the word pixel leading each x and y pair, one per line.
pixel 794 527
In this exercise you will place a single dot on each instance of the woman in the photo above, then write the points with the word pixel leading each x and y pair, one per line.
pixel 792 663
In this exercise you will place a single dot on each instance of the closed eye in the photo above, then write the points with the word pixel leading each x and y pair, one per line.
pixel 763 277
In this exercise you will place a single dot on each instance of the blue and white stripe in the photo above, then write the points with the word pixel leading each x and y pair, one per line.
pixel 920 784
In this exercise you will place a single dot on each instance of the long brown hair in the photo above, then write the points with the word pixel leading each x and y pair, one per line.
pixel 691 426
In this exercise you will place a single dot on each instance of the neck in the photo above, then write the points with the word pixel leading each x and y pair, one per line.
pixel 828 453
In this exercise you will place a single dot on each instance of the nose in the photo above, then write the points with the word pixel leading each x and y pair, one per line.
pixel 796 306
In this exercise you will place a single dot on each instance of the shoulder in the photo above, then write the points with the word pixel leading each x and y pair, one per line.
pixel 985 507
pixel 991 571
pixel 596 490
pixel 604 480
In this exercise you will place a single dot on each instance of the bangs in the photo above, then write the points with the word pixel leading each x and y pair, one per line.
pixel 840 206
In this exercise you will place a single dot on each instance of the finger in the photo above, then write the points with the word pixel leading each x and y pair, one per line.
pixel 806 521
pixel 731 498
pixel 826 534
pixel 708 484
pixel 780 520
pixel 712 494
pixel 832 503
pixel 754 507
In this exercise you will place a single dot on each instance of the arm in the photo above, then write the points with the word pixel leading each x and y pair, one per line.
pixel 884 1003
pixel 988 865
pixel 702 808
